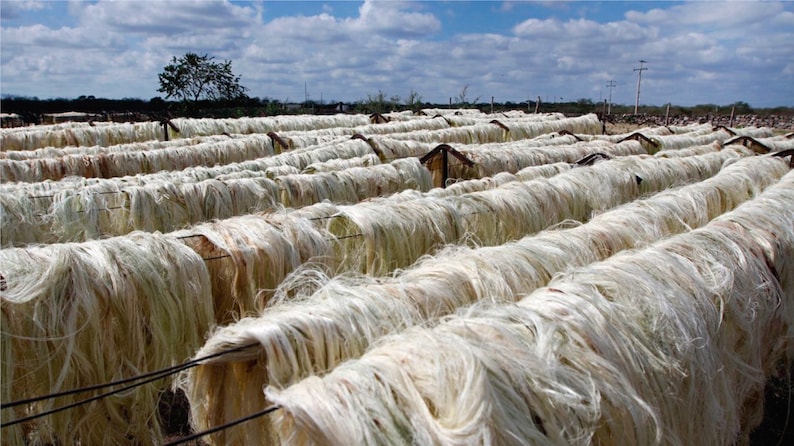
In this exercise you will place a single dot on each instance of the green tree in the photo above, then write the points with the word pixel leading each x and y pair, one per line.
pixel 193 78
pixel 742 108
pixel 374 103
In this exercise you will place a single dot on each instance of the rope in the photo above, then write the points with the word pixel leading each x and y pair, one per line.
pixel 223 426
pixel 150 377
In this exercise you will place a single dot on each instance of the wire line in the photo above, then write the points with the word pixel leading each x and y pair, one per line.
pixel 223 426
pixel 157 374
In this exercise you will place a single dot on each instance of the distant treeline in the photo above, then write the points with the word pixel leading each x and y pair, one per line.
pixel 30 109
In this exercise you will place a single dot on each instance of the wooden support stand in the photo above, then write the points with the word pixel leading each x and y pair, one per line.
pixel 722 127
pixel 785 153
pixel 637 136
pixel 277 139
pixel 441 152
pixel 444 118
pixel 377 118
pixel 749 142
pixel 167 123
pixel 506 135
pixel 566 132
pixel 372 144
pixel 592 158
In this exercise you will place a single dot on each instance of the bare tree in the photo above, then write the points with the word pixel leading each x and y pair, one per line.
pixel 463 97
pixel 413 100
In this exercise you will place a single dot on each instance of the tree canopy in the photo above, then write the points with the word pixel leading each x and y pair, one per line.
pixel 193 77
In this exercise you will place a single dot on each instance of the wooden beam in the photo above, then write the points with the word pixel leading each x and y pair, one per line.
pixel 277 139
pixel 749 142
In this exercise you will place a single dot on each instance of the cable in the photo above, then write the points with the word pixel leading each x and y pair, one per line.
pixel 223 426
pixel 155 375
pixel 81 402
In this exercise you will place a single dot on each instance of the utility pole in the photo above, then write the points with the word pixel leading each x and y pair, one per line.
pixel 639 81
pixel 610 85
pixel 305 95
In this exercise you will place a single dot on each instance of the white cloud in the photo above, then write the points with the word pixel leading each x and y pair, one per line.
pixel 39 36
pixel 694 50
pixel 717 15
pixel 166 17
pixel 12 9
pixel 390 18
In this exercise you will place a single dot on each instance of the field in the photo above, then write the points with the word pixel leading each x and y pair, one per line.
pixel 446 277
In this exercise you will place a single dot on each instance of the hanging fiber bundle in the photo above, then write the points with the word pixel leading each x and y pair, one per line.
pixel 378 236
pixel 354 184
pixel 515 157
pixel 197 127
pixel 676 141
pixel 341 164
pixel 74 134
pixel 436 286
pixel 116 164
pixel 59 152
pixel 606 354
pixel 104 209
pixel 249 256
pixel 277 171
pixel 83 314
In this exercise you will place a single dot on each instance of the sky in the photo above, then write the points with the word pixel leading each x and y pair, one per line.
pixel 697 52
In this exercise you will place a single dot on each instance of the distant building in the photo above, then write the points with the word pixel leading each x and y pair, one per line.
pixel 11 120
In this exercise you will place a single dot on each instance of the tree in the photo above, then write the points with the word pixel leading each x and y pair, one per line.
pixel 413 101
pixel 375 103
pixel 193 78
pixel 742 108
pixel 463 97
pixel 394 102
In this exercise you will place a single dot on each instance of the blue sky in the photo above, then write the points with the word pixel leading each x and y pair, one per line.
pixel 698 52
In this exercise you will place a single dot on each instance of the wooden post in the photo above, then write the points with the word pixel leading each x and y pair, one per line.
pixel 537 105
pixel 667 115
pixel 733 110
pixel 491 104
pixel 165 131
pixel 445 168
